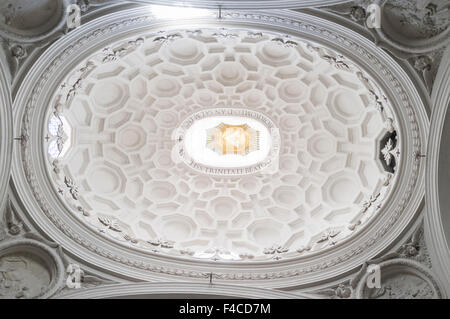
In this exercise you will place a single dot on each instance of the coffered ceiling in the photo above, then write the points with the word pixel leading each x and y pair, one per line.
pixel 117 158
pixel 277 148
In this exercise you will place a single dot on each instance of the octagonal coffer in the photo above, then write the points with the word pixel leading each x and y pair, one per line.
pixel 226 141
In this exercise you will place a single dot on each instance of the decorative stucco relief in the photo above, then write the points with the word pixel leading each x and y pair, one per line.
pixel 22 275
pixel 33 267
pixel 400 279
pixel 417 31
pixel 402 98
pixel 28 27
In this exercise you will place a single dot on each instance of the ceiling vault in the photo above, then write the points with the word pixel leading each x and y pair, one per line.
pixel 274 149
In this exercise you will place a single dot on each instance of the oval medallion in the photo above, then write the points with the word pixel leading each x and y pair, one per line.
pixel 227 141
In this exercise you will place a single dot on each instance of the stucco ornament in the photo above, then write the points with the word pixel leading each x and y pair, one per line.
pixel 358 13
pixel 407 26
pixel 400 279
pixel 216 225
pixel 404 273
pixel 413 30
pixel 29 269
pixel 232 136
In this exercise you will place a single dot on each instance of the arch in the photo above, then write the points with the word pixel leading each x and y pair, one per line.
pixel 437 216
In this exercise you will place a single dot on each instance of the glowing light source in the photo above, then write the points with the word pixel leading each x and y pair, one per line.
pixel 240 142
pixel 232 139
pixel 181 12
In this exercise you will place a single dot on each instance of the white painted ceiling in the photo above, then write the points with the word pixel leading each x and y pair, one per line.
pixel 121 107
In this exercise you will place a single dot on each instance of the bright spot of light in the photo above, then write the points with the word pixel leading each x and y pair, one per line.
pixel 169 12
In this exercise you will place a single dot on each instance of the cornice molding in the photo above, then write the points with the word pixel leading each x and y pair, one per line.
pixel 436 234
pixel 178 289
pixel 81 242
pixel 246 5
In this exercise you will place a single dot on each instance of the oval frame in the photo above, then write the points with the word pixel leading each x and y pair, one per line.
pixel 28 167
pixel 53 261
pixel 410 266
